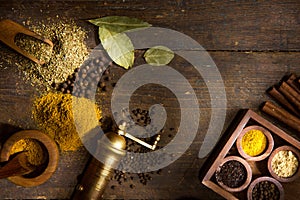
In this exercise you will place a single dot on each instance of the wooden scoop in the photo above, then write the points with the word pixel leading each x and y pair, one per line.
pixel 8 32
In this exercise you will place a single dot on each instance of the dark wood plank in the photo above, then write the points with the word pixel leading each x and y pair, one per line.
pixel 253 44
pixel 216 25
pixel 245 88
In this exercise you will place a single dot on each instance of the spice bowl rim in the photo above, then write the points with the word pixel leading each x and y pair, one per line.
pixel 284 148
pixel 248 175
pixel 266 152
pixel 265 178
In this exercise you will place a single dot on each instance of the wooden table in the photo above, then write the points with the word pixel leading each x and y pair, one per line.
pixel 253 43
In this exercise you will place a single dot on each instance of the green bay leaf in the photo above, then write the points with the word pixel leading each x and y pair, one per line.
pixel 119 24
pixel 118 46
pixel 159 55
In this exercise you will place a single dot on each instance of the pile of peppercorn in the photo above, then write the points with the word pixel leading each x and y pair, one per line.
pixel 265 190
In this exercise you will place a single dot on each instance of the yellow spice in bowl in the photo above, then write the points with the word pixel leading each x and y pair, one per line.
pixel 254 142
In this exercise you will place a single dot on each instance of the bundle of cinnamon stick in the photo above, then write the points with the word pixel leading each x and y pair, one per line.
pixel 287 95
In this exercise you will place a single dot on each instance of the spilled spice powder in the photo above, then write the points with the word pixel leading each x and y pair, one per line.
pixel 34 151
pixel 68 53
pixel 54 114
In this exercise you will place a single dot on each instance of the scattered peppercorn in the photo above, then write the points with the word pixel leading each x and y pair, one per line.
pixel 87 78
pixel 142 118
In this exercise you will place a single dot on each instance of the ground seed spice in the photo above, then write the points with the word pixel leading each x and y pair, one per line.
pixel 68 53
pixel 34 151
pixel 54 114
pixel 254 142
pixel 285 164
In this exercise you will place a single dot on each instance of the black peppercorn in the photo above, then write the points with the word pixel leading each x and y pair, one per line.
pixel 232 174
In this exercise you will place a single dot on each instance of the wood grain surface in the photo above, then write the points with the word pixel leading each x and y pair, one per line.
pixel 253 43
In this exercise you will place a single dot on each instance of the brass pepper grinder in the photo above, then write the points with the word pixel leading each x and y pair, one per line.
pixel 111 148
pixel 97 175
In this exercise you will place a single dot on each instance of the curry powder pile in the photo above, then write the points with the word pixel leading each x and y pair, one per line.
pixel 54 114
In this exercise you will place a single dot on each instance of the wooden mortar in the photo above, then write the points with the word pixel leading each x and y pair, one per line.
pixel 52 161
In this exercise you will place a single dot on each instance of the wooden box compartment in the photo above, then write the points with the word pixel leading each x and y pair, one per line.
pixel 259 168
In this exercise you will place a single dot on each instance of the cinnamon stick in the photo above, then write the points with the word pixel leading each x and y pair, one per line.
pixel 273 92
pixel 292 82
pixel 281 115
pixel 292 95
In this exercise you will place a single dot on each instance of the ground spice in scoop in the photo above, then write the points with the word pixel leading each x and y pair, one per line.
pixel 232 174
pixel 54 114
pixel 254 142
pixel 34 151
pixel 285 164
pixel 265 190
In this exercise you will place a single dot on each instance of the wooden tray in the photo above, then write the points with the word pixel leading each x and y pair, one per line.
pixel 259 168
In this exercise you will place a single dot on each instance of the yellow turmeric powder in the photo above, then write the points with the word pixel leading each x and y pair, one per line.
pixel 254 142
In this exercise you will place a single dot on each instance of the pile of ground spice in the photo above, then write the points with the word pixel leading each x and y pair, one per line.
pixel 54 114
pixel 34 151
pixel 68 53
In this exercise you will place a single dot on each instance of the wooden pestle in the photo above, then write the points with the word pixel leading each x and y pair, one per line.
pixel 281 115
pixel 17 166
